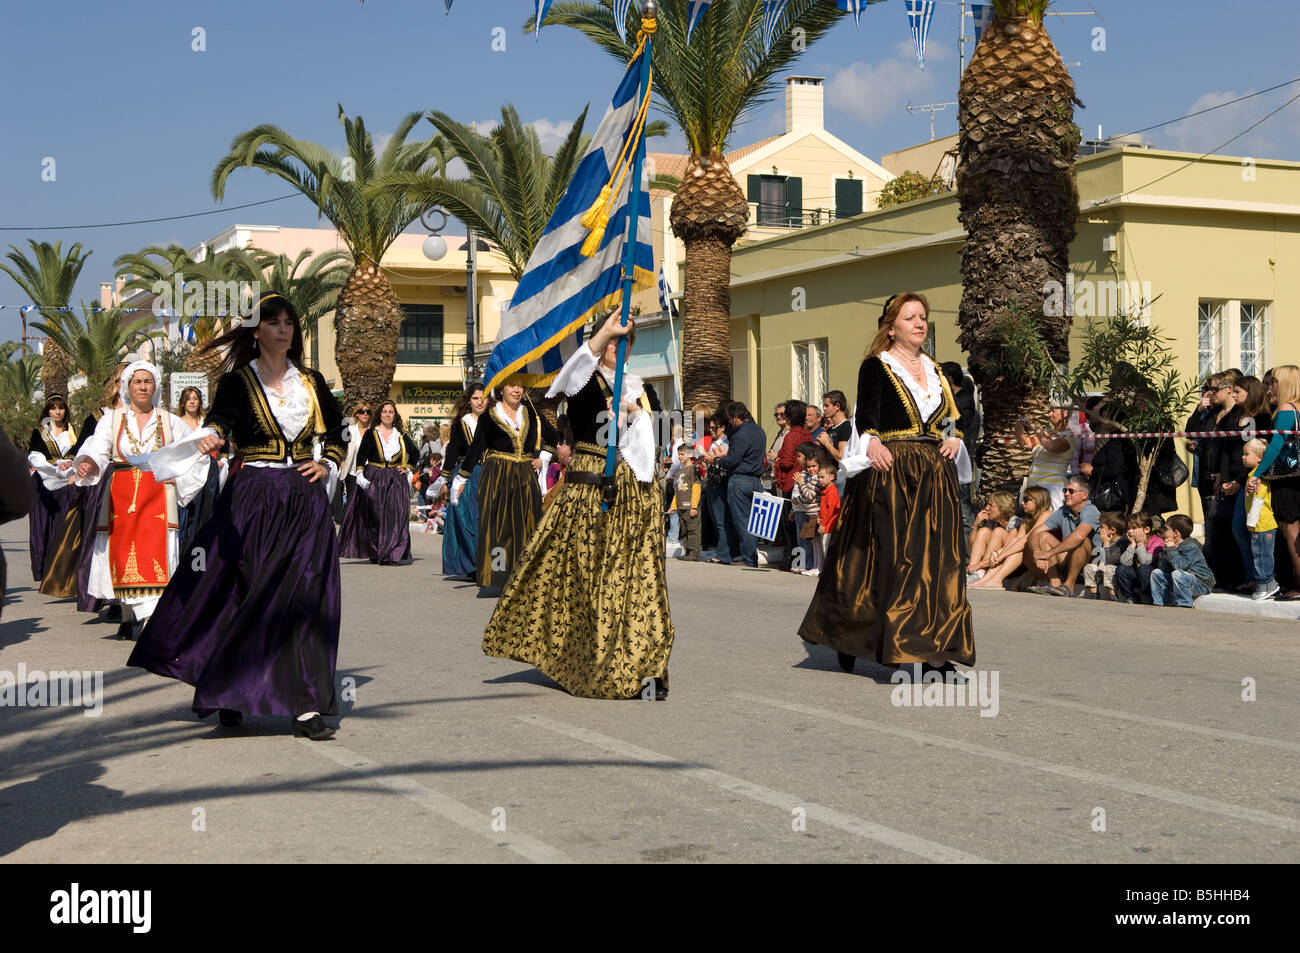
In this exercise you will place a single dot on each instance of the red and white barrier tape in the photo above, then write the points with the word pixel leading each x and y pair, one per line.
pixel 1187 434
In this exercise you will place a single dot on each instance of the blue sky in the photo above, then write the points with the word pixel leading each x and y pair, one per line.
pixel 135 119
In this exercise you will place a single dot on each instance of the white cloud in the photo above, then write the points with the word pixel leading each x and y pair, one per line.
pixel 552 134
pixel 1278 137
pixel 874 92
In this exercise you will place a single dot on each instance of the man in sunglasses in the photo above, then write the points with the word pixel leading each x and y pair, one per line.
pixel 1077 524
pixel 347 484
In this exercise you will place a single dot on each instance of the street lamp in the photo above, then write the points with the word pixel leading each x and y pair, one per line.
pixel 435 247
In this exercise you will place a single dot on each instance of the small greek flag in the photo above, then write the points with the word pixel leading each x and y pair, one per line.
pixel 920 13
pixel 694 12
pixel 772 10
pixel 542 7
pixel 982 14
pixel 186 332
pixel 765 516
pixel 620 17
pixel 855 7
pixel 666 302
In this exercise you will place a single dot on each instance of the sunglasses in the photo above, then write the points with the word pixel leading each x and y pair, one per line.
pixel 1069 491
pixel 363 413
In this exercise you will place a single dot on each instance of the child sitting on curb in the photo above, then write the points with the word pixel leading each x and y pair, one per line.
pixel 1099 575
pixel 1183 574
pixel 1133 574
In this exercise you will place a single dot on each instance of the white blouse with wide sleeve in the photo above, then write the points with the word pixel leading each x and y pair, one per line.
pixel 636 442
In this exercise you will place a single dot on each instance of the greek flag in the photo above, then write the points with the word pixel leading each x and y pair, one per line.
pixel 620 17
pixel 855 7
pixel 772 10
pixel 919 15
pixel 694 12
pixel 982 14
pixel 186 331
pixel 666 303
pixel 446 6
pixel 561 289
pixel 542 7
pixel 765 516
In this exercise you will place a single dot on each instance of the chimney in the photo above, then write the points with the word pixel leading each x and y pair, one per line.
pixel 803 102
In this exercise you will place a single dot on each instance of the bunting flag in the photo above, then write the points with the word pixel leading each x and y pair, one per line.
pixel 620 17
pixel 982 14
pixel 666 302
pixel 564 284
pixel 543 6
pixel 446 6
pixel 919 14
pixel 695 10
pixel 772 10
pixel 855 7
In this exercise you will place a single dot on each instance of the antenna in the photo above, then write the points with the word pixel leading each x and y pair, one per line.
pixel 930 108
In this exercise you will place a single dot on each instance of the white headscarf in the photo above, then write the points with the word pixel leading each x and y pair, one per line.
pixel 123 389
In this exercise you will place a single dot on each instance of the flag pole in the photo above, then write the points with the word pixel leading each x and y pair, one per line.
pixel 648 11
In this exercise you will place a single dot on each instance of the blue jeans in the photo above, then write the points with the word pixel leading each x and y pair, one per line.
pixel 715 497
pixel 805 545
pixel 1180 584
pixel 1262 547
pixel 1242 535
pixel 1133 584
pixel 672 526
pixel 740 498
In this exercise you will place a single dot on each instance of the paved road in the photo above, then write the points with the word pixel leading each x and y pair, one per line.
pixel 1125 717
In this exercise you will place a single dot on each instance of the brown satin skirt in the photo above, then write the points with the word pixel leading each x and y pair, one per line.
pixel 893 587
pixel 509 506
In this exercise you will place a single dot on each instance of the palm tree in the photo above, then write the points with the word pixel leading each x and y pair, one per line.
pixel 313 290
pixel 708 87
pixel 19 375
pixel 49 281
pixel 368 316
pixel 1019 204
pixel 513 185
pixel 97 344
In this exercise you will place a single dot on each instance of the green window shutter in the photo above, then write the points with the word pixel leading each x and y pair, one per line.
pixel 848 197
pixel 794 200
pixel 755 184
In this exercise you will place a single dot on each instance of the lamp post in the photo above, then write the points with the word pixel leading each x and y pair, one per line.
pixel 435 248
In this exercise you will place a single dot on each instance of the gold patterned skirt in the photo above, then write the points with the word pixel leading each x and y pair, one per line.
pixel 893 587
pixel 587 605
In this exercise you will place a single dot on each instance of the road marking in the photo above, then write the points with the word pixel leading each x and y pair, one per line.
pixel 1194 801
pixel 525 846
pixel 899 840
pixel 1160 722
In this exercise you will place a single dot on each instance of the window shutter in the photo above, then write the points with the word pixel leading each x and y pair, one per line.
pixel 848 197
pixel 794 200
pixel 755 184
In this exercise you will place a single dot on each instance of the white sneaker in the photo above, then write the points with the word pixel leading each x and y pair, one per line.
pixel 812 572
pixel 1266 590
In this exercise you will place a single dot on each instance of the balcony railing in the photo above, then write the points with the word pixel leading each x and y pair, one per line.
pixel 779 216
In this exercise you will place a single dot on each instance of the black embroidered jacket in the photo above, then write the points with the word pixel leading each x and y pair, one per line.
pixel 888 411
pixel 241 412
pixel 371 451
pixel 492 436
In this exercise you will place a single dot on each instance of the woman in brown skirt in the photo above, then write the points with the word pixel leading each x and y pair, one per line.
pixel 894 588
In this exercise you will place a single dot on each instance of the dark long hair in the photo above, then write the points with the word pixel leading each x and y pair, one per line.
pixel 376 416
pixel 241 346
pixel 56 400
pixel 462 402
pixel 184 398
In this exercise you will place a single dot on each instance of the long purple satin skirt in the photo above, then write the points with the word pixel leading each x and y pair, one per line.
pixel 49 511
pixel 251 617
pixel 377 525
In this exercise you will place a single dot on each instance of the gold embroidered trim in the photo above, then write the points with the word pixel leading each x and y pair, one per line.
pixel 502 455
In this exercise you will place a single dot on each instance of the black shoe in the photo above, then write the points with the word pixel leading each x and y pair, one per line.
pixel 114 614
pixel 126 632
pixel 229 718
pixel 661 690
pixel 313 728
pixel 846 661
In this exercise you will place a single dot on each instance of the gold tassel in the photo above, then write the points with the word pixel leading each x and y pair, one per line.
pixel 589 217
pixel 592 244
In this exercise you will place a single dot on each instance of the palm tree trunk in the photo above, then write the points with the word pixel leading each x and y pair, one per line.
pixel 55 367
pixel 367 320
pixel 1020 205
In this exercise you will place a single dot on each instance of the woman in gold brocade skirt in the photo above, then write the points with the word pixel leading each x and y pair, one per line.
pixel 588 602
pixel 894 588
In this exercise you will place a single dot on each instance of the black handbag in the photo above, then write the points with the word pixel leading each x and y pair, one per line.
pixel 1287 462
pixel 1110 496
pixel 1173 474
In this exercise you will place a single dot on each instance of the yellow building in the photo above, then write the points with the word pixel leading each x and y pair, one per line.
pixel 1210 248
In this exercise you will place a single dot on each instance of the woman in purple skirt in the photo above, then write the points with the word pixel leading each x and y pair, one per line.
pixel 377 525
pixel 251 617
pixel 51 445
